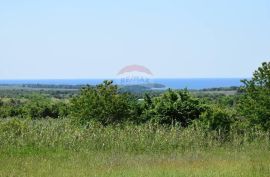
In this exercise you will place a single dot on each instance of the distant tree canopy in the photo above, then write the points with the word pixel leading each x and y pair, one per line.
pixel 38 106
pixel 34 107
pixel 255 102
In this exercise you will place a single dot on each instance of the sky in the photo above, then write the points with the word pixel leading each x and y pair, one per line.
pixel 83 39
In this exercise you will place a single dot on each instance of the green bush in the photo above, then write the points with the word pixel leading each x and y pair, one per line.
pixel 173 107
pixel 102 104
pixel 217 118
pixel 10 108
pixel 38 106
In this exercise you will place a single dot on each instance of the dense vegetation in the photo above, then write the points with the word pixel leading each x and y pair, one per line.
pixel 107 120
pixel 107 105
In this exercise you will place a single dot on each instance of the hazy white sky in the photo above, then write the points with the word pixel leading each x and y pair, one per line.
pixel 95 39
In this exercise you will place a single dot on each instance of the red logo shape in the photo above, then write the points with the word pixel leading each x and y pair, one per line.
pixel 132 68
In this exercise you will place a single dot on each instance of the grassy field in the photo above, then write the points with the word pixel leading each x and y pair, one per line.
pixel 81 164
pixel 56 148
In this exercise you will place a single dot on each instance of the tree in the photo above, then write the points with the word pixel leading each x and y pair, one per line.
pixel 102 103
pixel 217 117
pixel 255 101
pixel 173 107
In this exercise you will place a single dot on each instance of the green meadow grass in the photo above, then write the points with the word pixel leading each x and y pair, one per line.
pixel 57 148
pixel 250 163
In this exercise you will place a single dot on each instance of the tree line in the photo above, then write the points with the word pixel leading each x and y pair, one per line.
pixel 106 104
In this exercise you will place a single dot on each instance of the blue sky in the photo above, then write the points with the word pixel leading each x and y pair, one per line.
pixel 94 39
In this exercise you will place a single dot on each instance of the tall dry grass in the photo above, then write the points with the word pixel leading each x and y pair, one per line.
pixel 62 134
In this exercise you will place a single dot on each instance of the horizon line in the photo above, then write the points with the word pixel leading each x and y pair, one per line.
pixel 17 79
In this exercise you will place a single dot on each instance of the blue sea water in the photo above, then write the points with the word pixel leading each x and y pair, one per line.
pixel 169 83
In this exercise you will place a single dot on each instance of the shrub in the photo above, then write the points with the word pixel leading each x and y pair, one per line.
pixel 173 107
pixel 38 106
pixel 102 104
pixel 10 108
pixel 217 118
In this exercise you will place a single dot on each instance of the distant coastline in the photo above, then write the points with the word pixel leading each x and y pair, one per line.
pixel 174 83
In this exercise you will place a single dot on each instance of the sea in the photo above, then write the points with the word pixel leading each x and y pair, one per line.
pixel 174 83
